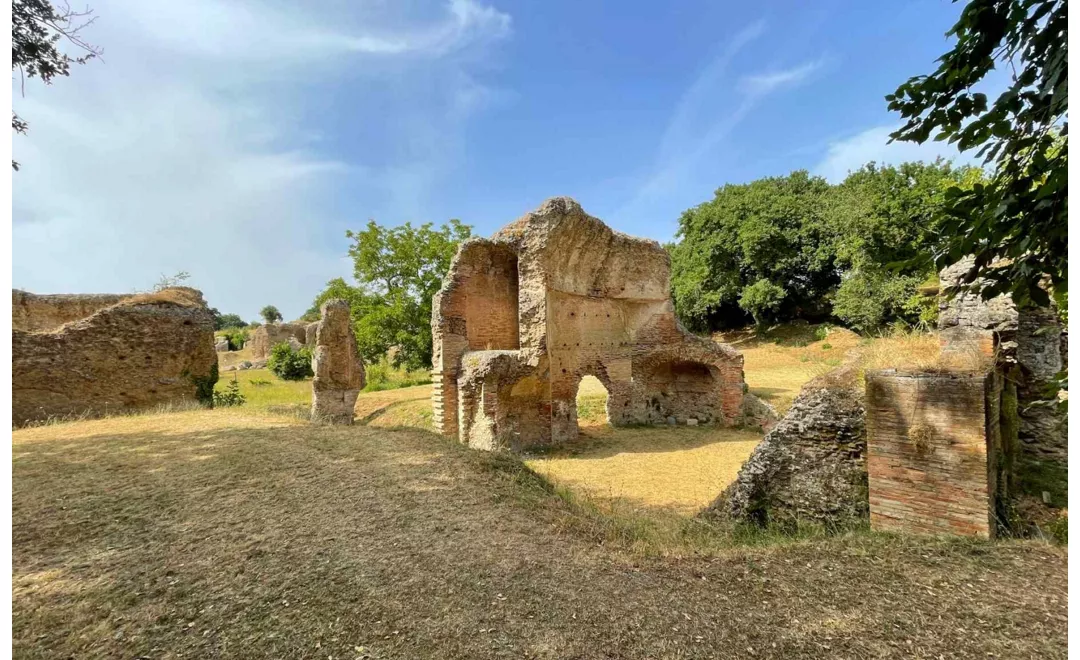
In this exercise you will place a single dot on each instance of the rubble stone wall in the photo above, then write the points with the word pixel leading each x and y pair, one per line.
pixel 811 467
pixel 31 312
pixel 140 352
pixel 1028 350
pixel 268 335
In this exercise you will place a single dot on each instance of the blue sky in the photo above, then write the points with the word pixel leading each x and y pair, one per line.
pixel 238 139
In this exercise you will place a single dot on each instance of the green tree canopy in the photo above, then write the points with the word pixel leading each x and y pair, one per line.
pixel 769 236
pixel 270 314
pixel 222 321
pixel 1016 221
pixel 790 247
pixel 397 271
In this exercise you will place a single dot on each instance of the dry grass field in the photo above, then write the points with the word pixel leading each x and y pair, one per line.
pixel 250 532
pixel 240 533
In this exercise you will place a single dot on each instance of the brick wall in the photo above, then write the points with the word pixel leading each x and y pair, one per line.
pixel 933 443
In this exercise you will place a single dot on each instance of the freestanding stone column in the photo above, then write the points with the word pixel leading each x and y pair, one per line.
pixel 339 370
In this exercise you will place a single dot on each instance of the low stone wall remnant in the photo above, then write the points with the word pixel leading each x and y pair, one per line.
pixel 137 353
pixel 811 467
pixel 268 335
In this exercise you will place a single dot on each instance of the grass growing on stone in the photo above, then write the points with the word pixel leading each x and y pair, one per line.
pixel 239 533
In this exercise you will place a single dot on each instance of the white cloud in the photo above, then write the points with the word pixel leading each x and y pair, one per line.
pixel 189 146
pixel 849 154
pixel 765 83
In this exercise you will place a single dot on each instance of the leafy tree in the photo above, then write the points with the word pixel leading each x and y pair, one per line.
pixel 1016 222
pixel 222 321
pixel 37 26
pixel 883 218
pixel 270 314
pixel 397 271
pixel 762 299
pixel 768 234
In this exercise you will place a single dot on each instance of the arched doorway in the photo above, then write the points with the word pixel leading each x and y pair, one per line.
pixel 592 403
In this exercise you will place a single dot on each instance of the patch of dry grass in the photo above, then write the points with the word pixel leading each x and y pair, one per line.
pixel 233 533
pixel 679 469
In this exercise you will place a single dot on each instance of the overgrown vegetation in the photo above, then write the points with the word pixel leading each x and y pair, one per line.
pixel 230 397
pixel 236 337
pixel 397 271
pixel 384 375
pixel 796 247
pixel 288 363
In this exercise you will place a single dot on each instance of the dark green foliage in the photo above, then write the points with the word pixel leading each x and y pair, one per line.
pixel 270 314
pixel 1020 214
pixel 773 230
pixel 223 321
pixel 204 385
pixel 397 270
pixel 792 247
pixel 288 363
pixel 236 337
pixel 230 397
pixel 36 29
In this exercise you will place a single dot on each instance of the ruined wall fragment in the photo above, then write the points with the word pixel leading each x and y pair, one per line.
pixel 138 353
pixel 338 367
pixel 811 467
pixel 268 335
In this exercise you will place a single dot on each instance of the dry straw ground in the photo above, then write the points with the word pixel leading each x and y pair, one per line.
pixel 252 533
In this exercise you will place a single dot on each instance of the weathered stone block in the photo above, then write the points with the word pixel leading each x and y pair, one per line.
pixel 338 367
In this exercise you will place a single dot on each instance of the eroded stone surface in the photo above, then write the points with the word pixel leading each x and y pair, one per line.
pixel 339 370
pixel 268 335
pixel 810 467
pixel 1028 350
pixel 136 353
pixel 552 297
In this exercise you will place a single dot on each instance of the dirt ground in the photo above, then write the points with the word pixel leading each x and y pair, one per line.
pixel 243 534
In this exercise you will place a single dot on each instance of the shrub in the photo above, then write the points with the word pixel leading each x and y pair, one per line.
pixel 236 337
pixel 288 363
pixel 259 382
pixel 382 375
pixel 762 299
pixel 230 397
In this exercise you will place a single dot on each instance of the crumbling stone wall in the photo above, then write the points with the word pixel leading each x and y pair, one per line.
pixel 555 296
pixel 811 467
pixel 31 312
pixel 338 368
pixel 934 452
pixel 139 352
pixel 1028 350
pixel 268 335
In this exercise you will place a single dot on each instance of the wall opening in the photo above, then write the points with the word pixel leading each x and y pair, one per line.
pixel 591 401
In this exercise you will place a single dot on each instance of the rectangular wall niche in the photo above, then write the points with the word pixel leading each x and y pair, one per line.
pixel 933 452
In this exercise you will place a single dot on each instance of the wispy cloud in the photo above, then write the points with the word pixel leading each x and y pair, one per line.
pixel 849 154
pixel 696 128
pixel 190 146
pixel 765 83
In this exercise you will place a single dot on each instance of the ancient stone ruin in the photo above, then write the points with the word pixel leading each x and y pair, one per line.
pixel 98 354
pixel 339 370
pixel 935 455
pixel 268 335
pixel 1027 350
pixel 550 298
pixel 811 467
